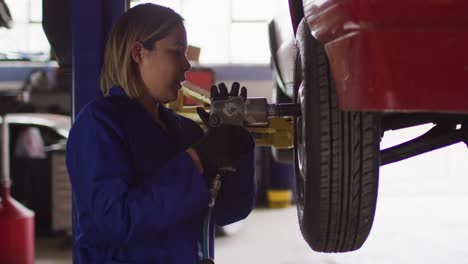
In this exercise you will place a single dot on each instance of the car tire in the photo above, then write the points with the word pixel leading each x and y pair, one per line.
pixel 336 157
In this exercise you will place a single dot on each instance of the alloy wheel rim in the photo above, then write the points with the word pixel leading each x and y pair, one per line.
pixel 300 150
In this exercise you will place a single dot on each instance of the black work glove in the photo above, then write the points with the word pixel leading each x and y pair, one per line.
pixel 221 92
pixel 225 145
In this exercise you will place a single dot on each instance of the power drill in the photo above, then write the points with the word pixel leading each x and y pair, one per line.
pixel 253 112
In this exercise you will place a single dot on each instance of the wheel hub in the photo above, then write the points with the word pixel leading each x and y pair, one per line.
pixel 301 147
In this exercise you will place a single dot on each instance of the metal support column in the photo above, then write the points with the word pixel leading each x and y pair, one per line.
pixel 91 20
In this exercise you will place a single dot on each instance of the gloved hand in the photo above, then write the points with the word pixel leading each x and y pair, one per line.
pixel 225 145
pixel 221 92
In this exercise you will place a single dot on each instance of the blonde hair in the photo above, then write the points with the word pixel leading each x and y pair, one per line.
pixel 147 23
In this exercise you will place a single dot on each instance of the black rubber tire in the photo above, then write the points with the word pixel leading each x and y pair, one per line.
pixel 336 157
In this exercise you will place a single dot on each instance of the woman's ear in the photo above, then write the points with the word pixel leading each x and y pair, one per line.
pixel 137 51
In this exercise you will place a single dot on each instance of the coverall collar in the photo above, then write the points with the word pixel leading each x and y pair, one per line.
pixel 117 91
pixel 171 120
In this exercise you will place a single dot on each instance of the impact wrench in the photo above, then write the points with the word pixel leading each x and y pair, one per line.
pixel 234 110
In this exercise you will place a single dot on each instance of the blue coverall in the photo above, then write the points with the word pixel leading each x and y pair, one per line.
pixel 137 194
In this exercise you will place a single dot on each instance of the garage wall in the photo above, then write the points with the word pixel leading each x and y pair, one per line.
pixel 254 88
pixel 13 74
pixel 257 78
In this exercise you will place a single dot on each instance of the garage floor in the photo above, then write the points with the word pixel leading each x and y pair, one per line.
pixel 422 217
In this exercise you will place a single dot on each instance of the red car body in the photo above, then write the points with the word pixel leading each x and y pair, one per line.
pixel 395 56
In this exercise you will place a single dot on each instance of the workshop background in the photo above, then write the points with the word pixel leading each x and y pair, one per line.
pixel 422 213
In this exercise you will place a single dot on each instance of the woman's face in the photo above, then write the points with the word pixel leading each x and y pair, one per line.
pixel 163 68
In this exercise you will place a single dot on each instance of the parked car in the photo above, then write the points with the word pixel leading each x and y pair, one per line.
pixel 359 68
pixel 37 168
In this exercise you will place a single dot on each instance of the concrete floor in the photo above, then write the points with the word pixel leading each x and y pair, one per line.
pixel 422 217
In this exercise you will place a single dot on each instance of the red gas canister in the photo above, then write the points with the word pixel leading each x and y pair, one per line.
pixel 17 231
pixel 16 221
